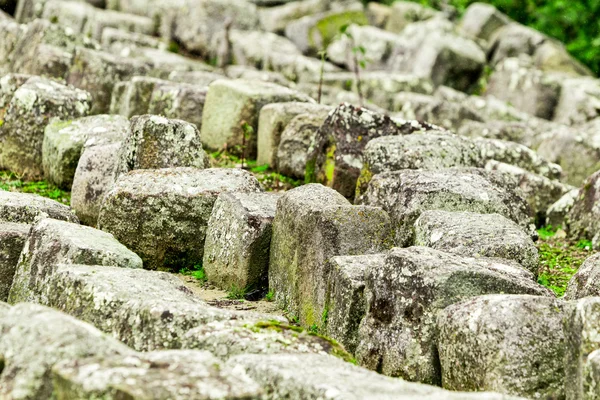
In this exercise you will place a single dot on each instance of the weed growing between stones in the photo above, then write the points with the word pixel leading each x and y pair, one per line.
pixel 12 183
pixel 560 258
pixel 270 180
pixel 270 296
pixel 237 293
pixel 197 272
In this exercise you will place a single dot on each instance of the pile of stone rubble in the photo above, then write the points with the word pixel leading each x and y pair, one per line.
pixel 431 147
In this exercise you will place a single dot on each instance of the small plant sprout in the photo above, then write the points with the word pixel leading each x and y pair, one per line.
pixel 270 296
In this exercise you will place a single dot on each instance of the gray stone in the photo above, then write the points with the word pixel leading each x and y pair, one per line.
pixel 163 214
pixel 33 106
pixel 347 305
pixel 12 240
pixel 272 121
pixel 231 111
pixel 295 143
pixel 51 242
pixel 335 157
pixel 275 19
pixel 591 375
pixel 516 131
pixel 509 344
pixel 147 310
pixel 113 36
pixel 155 142
pixel 255 48
pixel 481 20
pixel 299 68
pixel 8 86
pixel 179 101
pixel 404 13
pixel 586 282
pixel 404 295
pixel 580 327
pixel 539 191
pixel 102 19
pixel 197 23
pixel 11 32
pixel 552 56
pixel 26 208
pixel 406 194
pixel 251 73
pixel 34 339
pixel 98 72
pixel 431 150
pixel 200 78
pixel 238 239
pixel 513 40
pixel 312 376
pixel 96 172
pixel 69 14
pixel 312 224
pixel 64 141
pixel 578 101
pixel 583 218
pixel 515 81
pixel 160 375
pixel 476 235
pixel 133 97
pixel 229 338
pixel 556 215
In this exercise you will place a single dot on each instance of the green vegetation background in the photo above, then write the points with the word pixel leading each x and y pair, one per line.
pixel 576 23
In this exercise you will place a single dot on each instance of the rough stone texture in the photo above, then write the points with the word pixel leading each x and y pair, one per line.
pixel 515 81
pixel 245 51
pixel 508 344
pixel 539 191
pixel 102 19
pixel 591 375
pixel 51 241
pixel 404 294
pixel 272 122
pixel 160 375
pixel 34 339
pixel 557 213
pixel 295 142
pixel 33 106
pixel 517 155
pixel 12 240
pixel 230 104
pixel 98 72
pixel 132 97
pixel 315 376
pixel 155 142
pixel 578 101
pixel 335 157
pixel 64 142
pixel 275 19
pixel 299 68
pixel 482 20
pixel 513 40
pixel 583 219
pixel 163 214
pixel 179 101
pixel 405 13
pixel 406 194
pixel 238 239
pixel 430 151
pixel 96 171
pixel 312 224
pixel 516 131
pixel 347 305
pixel 228 338
pixel 26 208
pixel 476 235
pixel 147 310
pixel 586 282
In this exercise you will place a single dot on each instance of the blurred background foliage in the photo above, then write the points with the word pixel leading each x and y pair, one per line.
pixel 576 23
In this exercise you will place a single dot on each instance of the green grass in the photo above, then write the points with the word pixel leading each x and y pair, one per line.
pixel 560 258
pixel 237 293
pixel 12 183
pixel 270 296
pixel 269 179
pixel 196 272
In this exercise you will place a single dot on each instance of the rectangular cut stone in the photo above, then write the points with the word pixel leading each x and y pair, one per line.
pixel 12 240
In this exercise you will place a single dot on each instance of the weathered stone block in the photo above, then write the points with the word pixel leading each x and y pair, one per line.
pixel 238 240
pixel 509 344
pixel 33 106
pixel 556 215
pixel 12 240
pixel 64 140
pixel 160 375
pixel 179 101
pixel 163 214
pixel 476 235
pixel 132 97
pixel 295 142
pixel 406 194
pixel 585 282
pixel 26 208
pixel 155 142
pixel 404 295
pixel 481 20
pixel 51 242
pixel 312 224
pixel 231 111
pixel 34 339
pixel 272 122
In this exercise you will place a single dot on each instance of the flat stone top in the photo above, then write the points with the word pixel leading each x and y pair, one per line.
pixel 96 128
pixel 24 207
pixel 260 89
pixel 460 222
pixel 186 181
pixel 314 196
pixel 296 107
pixel 256 204
pixel 42 88
pixel 12 229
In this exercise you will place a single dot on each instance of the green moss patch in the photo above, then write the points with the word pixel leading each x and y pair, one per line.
pixel 12 183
